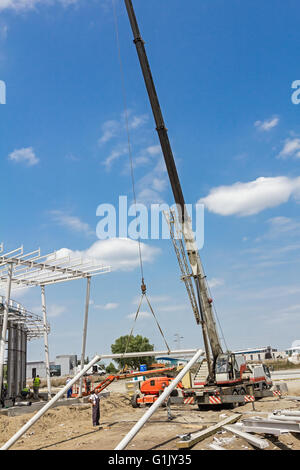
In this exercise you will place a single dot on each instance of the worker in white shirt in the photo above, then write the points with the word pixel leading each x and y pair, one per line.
pixel 95 402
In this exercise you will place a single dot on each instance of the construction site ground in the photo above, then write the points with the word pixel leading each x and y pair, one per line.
pixel 70 427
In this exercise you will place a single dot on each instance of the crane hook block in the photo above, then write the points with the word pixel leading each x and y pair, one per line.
pixel 143 287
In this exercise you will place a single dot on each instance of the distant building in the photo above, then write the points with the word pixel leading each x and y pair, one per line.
pixel 35 368
pixel 258 354
pixel 292 350
pixel 66 364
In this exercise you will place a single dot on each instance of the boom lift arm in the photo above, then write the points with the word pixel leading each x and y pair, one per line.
pixel 206 318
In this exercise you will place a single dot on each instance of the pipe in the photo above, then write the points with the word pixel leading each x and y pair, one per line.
pixel 5 322
pixel 150 353
pixel 136 428
pixel 48 405
pixel 86 313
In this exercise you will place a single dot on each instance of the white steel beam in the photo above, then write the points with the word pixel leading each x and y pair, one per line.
pixel 255 441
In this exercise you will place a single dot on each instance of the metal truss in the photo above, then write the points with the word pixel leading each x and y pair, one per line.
pixel 34 269
pixel 32 323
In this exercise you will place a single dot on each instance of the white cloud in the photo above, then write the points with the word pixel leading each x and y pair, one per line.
pixel 215 282
pixel 110 130
pixel 141 315
pixel 55 310
pixel 154 150
pixel 22 5
pixel 281 226
pixel 152 185
pixel 120 253
pixel 115 155
pixel 291 148
pixel 253 197
pixel 25 155
pixel 267 125
pixel 137 121
pixel 108 306
pixel 72 222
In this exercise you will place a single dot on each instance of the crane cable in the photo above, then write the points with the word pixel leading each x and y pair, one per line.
pixel 143 286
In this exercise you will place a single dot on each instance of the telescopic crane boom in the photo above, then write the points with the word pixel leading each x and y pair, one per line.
pixel 206 318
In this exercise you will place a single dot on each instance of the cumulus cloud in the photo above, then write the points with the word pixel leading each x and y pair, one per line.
pixel 267 125
pixel 24 155
pixel 119 253
pixel 291 148
pixel 253 197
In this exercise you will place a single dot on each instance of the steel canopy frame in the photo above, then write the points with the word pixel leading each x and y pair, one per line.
pixel 19 270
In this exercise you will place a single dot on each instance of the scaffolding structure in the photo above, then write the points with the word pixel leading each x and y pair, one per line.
pixel 19 270
pixel 22 326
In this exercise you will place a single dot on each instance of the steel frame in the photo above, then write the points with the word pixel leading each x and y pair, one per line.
pixel 32 269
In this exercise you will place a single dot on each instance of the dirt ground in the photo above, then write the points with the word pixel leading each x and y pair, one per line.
pixel 70 427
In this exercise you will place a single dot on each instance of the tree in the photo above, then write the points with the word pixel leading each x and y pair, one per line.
pixel 136 344
pixel 110 369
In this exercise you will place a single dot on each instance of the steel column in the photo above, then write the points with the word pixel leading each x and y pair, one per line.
pixel 84 334
pixel 46 341
pixel 5 322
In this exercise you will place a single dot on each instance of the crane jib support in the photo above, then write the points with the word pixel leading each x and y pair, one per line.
pixel 208 324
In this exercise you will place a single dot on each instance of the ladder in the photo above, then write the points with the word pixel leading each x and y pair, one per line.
pixel 200 378
pixel 186 276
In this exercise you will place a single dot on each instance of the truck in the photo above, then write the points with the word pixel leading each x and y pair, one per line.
pixel 96 369
pixel 220 378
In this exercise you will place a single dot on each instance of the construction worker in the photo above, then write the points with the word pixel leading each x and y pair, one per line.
pixel 3 394
pixel 25 392
pixel 69 392
pixel 36 386
pixel 168 405
pixel 94 399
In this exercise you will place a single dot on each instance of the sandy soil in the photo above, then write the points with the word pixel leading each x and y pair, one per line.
pixel 70 427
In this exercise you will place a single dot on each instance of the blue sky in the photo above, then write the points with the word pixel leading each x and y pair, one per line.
pixel 223 72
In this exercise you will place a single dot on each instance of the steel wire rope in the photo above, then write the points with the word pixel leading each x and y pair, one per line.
pixel 132 179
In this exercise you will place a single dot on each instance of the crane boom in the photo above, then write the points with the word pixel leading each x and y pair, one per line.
pixel 209 330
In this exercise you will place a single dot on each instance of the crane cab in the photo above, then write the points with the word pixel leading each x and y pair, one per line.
pixel 229 368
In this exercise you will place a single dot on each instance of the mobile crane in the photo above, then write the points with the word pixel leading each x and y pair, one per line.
pixel 228 379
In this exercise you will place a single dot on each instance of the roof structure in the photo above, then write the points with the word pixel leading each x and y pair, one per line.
pixel 34 269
